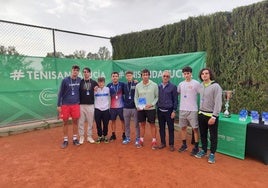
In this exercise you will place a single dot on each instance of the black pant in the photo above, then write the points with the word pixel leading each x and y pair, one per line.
pixel 163 118
pixel 102 117
pixel 213 131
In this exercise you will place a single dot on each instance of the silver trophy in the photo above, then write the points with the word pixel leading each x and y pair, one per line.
pixel 227 95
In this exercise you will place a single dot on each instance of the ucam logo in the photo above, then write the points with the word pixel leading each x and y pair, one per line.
pixel 47 97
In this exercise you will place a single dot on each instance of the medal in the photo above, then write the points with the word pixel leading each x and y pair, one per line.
pixel 87 92
pixel 129 97
pixel 72 92
pixel 116 97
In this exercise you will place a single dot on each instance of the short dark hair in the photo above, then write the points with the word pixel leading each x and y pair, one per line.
pixel 87 69
pixel 211 74
pixel 187 69
pixel 115 73
pixel 101 79
pixel 145 71
pixel 75 67
pixel 129 72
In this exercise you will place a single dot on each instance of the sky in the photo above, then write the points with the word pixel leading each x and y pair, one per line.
pixel 109 17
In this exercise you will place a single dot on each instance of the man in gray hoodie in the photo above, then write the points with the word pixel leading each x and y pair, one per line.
pixel 208 116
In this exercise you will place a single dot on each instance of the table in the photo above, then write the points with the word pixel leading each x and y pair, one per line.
pixel 257 141
pixel 232 136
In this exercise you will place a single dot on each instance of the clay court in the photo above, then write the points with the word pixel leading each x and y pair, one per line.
pixel 35 159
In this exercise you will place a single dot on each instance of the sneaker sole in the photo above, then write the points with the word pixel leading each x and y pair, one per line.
pixel 193 153
pixel 199 157
pixel 180 151
pixel 211 162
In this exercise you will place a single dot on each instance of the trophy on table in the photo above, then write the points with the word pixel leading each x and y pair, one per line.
pixel 227 95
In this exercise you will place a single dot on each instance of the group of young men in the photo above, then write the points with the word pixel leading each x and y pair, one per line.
pixel 85 100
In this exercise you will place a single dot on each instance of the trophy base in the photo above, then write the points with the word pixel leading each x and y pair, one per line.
pixel 227 116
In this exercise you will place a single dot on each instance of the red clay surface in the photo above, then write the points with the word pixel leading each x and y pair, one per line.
pixel 35 159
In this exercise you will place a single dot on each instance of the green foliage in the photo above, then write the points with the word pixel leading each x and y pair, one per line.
pixel 236 44
pixel 103 54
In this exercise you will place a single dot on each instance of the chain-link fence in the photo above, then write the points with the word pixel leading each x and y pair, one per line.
pixel 32 40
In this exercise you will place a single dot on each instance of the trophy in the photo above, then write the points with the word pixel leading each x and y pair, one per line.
pixel 227 95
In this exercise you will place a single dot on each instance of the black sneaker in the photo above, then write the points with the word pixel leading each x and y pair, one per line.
pixel 64 144
pixel 76 142
pixel 98 140
pixel 183 148
pixel 194 151
pixel 113 137
pixel 123 136
pixel 105 139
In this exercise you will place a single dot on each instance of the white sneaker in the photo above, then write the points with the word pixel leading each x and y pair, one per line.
pixel 81 140
pixel 90 139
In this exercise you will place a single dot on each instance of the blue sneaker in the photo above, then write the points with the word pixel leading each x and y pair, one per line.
pixel 64 144
pixel 137 141
pixel 126 140
pixel 200 154
pixel 211 158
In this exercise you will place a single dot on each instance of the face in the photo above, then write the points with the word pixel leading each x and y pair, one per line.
pixel 115 78
pixel 187 75
pixel 145 77
pixel 129 77
pixel 166 77
pixel 101 84
pixel 75 73
pixel 205 75
pixel 86 74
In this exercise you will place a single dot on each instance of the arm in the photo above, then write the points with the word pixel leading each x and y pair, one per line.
pixel 175 102
pixel 218 101
pixel 60 94
pixel 156 93
pixel 175 99
pixel 136 96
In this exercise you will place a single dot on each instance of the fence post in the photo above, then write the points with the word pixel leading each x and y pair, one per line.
pixel 54 44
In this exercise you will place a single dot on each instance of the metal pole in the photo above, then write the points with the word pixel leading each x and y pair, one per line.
pixel 54 44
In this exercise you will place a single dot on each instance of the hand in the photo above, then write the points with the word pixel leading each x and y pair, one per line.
pixel 148 106
pixel 59 109
pixel 173 114
pixel 96 88
pixel 211 121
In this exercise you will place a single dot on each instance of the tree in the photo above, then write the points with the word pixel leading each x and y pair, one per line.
pixel 10 50
pixel 81 54
pixel 57 54
pixel 92 56
pixel 104 53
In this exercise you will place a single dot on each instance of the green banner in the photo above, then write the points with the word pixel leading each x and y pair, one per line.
pixel 29 85
pixel 156 65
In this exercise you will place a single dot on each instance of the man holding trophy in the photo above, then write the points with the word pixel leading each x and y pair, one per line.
pixel 146 97
pixel 208 116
